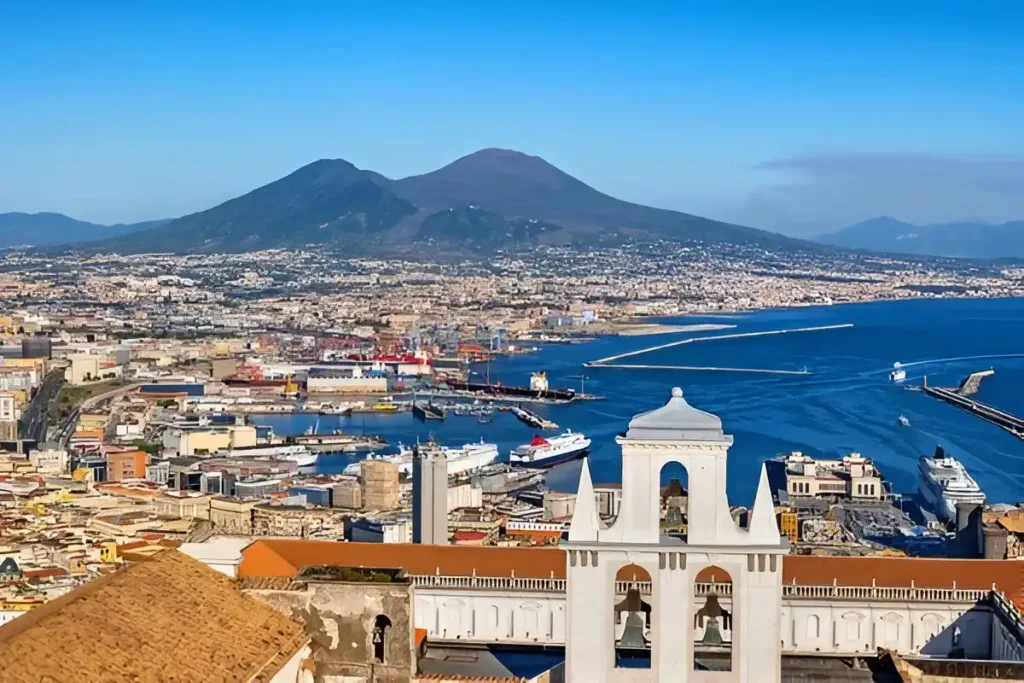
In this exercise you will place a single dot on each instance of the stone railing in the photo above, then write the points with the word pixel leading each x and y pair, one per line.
pixel 792 591
pixel 1008 610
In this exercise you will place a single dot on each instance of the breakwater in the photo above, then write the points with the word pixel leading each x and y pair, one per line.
pixel 612 361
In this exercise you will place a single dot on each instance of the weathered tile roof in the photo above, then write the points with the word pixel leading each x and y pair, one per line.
pixel 170 618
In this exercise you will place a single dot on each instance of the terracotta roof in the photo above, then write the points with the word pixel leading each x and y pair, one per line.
pixel 285 557
pixel 272 557
pixel 1013 521
pixel 171 618
pixel 1007 575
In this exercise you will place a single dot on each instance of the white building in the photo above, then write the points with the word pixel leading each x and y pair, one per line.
pixel 604 631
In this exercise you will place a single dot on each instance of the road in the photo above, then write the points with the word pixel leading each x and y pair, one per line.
pixel 34 420
pixel 66 429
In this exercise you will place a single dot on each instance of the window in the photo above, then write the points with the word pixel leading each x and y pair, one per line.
pixel 379 638
pixel 813 626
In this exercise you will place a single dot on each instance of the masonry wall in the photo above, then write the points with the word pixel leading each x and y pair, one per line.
pixel 340 617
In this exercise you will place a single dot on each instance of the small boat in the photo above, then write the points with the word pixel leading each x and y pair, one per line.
pixel 386 407
pixel 904 421
pixel 898 374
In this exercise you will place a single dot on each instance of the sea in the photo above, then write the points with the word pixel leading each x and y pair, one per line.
pixel 846 403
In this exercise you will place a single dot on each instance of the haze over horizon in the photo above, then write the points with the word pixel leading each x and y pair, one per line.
pixel 800 121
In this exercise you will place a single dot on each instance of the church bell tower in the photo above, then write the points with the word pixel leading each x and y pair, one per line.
pixel 646 606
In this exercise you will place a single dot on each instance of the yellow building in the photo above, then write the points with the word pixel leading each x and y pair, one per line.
pixel 789 525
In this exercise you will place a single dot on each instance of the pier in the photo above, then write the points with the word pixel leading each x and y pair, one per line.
pixel 1010 423
pixel 610 361
pixel 426 410
pixel 971 385
pixel 533 419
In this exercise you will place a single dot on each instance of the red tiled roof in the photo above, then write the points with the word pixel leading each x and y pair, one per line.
pixel 48 572
pixel 285 557
pixel 272 557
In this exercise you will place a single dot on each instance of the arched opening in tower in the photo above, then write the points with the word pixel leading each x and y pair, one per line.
pixel 673 500
pixel 632 628
pixel 712 620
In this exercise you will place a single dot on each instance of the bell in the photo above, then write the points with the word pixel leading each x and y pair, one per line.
pixel 633 635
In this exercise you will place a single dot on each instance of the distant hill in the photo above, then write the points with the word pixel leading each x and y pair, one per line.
pixel 486 201
pixel 962 239
pixel 44 229
pixel 326 201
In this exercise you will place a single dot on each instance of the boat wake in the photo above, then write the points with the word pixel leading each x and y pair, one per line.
pixel 957 359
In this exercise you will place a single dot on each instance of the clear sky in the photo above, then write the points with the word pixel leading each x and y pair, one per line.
pixel 793 116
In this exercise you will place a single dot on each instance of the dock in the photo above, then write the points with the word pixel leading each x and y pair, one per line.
pixel 956 397
pixel 426 410
pixel 533 419
pixel 610 361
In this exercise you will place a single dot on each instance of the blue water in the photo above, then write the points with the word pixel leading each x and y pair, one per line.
pixel 846 405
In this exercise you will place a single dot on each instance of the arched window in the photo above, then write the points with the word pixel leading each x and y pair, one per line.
pixel 381 625
pixel 813 626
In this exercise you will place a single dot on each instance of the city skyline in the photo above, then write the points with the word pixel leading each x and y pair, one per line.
pixel 800 121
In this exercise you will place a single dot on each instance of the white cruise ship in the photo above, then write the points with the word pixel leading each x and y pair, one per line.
pixel 471 456
pixel 943 482
pixel 543 452
pixel 300 455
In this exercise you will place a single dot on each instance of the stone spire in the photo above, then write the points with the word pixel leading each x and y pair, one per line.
pixel 585 521
pixel 764 529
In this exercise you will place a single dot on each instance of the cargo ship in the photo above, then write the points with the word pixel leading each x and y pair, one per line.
pixel 543 452
pixel 538 388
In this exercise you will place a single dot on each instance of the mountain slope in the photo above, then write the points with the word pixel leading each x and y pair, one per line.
pixel 489 200
pixel 325 201
pixel 963 239
pixel 43 229
pixel 482 230
pixel 514 184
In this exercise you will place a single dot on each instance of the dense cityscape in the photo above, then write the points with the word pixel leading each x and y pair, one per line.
pixel 525 343
pixel 134 390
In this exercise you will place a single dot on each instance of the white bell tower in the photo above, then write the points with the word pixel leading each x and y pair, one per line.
pixel 751 557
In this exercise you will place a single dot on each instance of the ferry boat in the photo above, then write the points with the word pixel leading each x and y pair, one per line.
pixel 898 374
pixel 543 452
pixel 469 457
pixel 943 482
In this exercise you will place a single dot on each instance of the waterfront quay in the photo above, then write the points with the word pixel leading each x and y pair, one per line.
pixel 1009 422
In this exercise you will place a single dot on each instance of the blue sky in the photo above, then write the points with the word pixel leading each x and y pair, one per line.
pixel 782 115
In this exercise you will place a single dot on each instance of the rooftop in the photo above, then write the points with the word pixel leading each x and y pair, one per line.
pixel 677 420
pixel 287 557
pixel 169 618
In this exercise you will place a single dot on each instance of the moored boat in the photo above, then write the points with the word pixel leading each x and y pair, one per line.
pixel 542 452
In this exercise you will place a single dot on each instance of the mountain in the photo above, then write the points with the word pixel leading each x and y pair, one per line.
pixel 326 201
pixel 517 185
pixel 483 202
pixel 43 229
pixel 965 239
